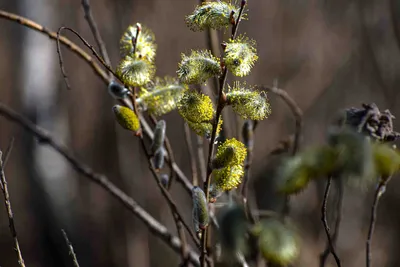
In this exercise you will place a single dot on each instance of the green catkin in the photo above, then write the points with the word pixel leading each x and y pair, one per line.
pixel 158 159
pixel 213 15
pixel 247 103
pixel 240 55
pixel 135 72
pixel 230 153
pixel 159 136
pixel 200 213
pixel 228 178
pixel 126 118
pixel 161 96
pixel 198 67
pixel 145 45
pixel 196 107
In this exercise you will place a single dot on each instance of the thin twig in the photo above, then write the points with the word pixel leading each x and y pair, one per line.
pixel 171 162
pixel 298 116
pixel 200 158
pixel 325 222
pixel 339 205
pixel 97 70
pixel 192 158
pixel 8 152
pixel 374 209
pixel 46 138
pixel 220 107
pixel 71 251
pixel 7 202
pixel 96 33
pixel 108 67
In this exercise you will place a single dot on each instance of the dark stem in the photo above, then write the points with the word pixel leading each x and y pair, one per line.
pixel 325 222
pixel 220 107
pixel 378 193
pixel 339 205
pixel 192 158
pixel 96 33
pixel 71 251
pixel 7 202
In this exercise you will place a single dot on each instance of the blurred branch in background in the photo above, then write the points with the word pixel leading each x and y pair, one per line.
pixel 45 138
pixel 7 202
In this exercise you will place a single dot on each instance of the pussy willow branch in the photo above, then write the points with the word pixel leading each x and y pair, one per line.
pixel 71 251
pixel 97 70
pixel 378 193
pixel 170 152
pixel 220 107
pixel 325 222
pixel 339 204
pixel 192 158
pixel 7 202
pixel 96 33
pixel 175 213
pixel 46 138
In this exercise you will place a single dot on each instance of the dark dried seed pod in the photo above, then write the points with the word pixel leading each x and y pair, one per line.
pixel 164 178
pixel 117 91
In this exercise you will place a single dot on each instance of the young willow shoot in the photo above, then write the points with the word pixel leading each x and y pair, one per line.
pixel 161 96
pixel 200 214
pixel 198 67
pixel 126 118
pixel 247 103
pixel 240 55
pixel 212 15
pixel 159 137
pixel 117 91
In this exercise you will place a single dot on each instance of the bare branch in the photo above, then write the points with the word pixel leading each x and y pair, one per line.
pixel 325 222
pixel 45 138
pixel 96 33
pixel 7 203
pixel 192 158
pixel 70 249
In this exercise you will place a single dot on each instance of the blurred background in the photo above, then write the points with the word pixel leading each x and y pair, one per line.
pixel 327 54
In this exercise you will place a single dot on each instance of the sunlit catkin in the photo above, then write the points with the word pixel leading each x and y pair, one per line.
pixel 200 213
pixel 159 136
pixel 240 55
pixel 231 152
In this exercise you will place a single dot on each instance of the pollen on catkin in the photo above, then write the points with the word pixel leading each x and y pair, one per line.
pixel 145 45
pixel 240 55
pixel 196 107
pixel 247 103
pixel 229 177
pixel 231 152
pixel 161 96
pixel 204 128
pixel 214 15
pixel 135 72
pixel 198 67
pixel 126 118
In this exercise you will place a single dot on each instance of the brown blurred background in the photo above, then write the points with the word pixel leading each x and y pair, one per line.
pixel 327 54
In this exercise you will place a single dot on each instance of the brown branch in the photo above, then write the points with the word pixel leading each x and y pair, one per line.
pixel 339 205
pixel 221 104
pixel 96 33
pixel 46 138
pixel 7 202
pixel 325 222
pixel 70 249
pixel 96 68
pixel 374 209
pixel 189 144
